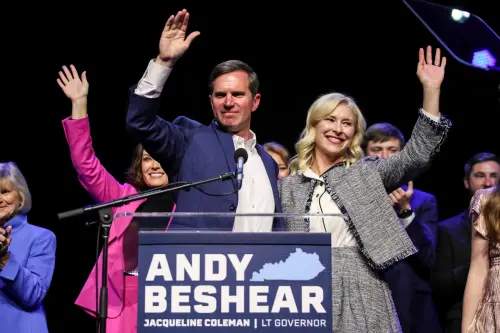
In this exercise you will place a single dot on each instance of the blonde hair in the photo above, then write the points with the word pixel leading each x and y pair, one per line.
pixel 293 165
pixel 10 173
pixel 321 108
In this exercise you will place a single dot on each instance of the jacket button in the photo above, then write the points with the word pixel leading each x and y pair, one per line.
pixel 232 207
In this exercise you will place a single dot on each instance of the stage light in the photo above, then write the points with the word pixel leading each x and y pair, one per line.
pixel 483 59
pixel 459 15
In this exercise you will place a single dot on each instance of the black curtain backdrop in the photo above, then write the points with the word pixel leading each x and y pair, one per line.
pixel 368 50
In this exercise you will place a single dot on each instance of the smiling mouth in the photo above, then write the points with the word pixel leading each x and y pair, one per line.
pixel 156 175
pixel 335 140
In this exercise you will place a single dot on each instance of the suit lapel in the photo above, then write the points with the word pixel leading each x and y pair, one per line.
pixel 336 177
pixel 271 173
pixel 120 224
pixel 227 145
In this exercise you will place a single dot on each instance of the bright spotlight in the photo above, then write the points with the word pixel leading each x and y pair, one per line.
pixel 459 15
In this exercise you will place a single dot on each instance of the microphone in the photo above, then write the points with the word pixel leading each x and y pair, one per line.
pixel 240 157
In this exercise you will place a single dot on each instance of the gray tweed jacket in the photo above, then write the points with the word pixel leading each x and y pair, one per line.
pixel 360 191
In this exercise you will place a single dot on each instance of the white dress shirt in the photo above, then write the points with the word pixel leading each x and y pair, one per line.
pixel 256 194
pixel 323 203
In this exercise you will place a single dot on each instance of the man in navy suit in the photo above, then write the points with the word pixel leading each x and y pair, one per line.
pixel 191 152
pixel 408 279
pixel 453 252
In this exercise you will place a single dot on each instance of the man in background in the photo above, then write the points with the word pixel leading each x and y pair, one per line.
pixel 417 210
pixel 453 252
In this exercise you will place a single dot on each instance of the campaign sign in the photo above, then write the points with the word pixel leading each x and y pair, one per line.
pixel 235 282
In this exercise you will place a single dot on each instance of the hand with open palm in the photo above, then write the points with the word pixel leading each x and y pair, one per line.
pixel 76 90
pixel 431 75
pixel 70 83
pixel 173 40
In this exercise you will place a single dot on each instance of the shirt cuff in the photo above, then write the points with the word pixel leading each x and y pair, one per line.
pixel 406 221
pixel 433 117
pixel 153 80
pixel 9 272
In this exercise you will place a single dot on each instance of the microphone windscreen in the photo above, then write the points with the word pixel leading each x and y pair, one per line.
pixel 241 152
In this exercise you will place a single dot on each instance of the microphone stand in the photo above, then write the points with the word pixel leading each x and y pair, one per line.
pixel 106 218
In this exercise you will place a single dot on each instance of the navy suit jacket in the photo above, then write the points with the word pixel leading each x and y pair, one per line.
pixel 190 152
pixel 407 279
pixel 425 207
pixel 453 258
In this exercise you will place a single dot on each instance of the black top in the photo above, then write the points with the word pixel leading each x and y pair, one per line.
pixel 158 203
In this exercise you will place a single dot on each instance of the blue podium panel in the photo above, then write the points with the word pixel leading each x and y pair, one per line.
pixel 235 282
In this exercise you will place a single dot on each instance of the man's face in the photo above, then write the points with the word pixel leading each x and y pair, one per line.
pixel 232 101
pixel 383 149
pixel 483 175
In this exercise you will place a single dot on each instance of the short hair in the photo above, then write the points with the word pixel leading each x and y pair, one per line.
pixel 9 172
pixel 278 149
pixel 382 132
pixel 231 66
pixel 479 158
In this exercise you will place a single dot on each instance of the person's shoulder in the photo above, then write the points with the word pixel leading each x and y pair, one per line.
pixel 291 180
pixel 479 198
pixel 451 223
pixel 483 194
pixel 424 195
pixel 368 159
pixel 366 162
pixel 39 238
pixel 187 123
pixel 41 231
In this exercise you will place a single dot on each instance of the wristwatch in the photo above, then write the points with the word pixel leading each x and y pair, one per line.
pixel 405 213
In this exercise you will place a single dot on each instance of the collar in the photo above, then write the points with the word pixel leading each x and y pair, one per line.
pixel 310 174
pixel 249 145
pixel 237 140
pixel 17 221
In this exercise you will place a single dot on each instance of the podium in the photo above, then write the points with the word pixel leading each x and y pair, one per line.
pixel 224 280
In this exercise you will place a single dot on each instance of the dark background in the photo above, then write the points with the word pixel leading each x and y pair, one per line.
pixel 367 50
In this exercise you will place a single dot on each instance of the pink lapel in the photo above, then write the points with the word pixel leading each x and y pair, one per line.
pixel 120 224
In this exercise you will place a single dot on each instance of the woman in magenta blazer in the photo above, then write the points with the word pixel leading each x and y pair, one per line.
pixel 143 174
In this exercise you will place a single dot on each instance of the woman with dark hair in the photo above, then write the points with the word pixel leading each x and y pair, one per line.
pixel 481 309
pixel 281 155
pixel 144 173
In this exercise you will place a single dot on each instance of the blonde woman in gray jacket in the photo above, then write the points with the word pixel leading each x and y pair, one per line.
pixel 334 178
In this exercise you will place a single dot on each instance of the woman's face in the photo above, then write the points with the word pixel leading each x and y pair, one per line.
pixel 335 132
pixel 283 169
pixel 152 173
pixel 10 200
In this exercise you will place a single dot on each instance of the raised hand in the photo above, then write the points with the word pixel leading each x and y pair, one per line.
pixel 430 75
pixel 173 41
pixel 74 88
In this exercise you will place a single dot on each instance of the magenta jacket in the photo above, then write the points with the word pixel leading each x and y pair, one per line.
pixel 103 187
